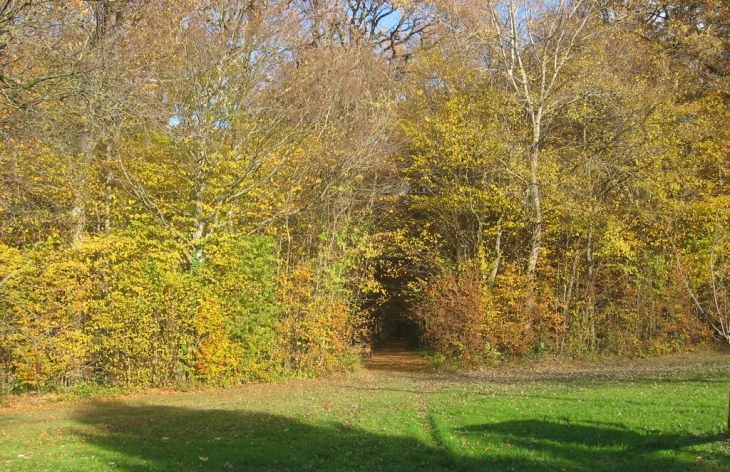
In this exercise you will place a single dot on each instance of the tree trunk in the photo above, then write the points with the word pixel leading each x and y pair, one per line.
pixel 568 298
pixel 197 255
pixel 78 216
pixel 536 240
pixel 80 181
pixel 497 256
pixel 590 299
pixel 108 192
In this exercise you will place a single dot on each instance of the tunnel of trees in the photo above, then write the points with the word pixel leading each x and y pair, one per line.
pixel 220 191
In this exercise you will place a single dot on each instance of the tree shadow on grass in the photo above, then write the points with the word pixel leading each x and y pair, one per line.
pixel 595 446
pixel 164 438
pixel 172 438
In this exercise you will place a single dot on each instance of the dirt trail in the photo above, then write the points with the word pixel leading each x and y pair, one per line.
pixel 396 356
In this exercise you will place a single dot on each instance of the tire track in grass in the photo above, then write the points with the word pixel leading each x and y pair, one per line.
pixel 428 420
pixel 397 359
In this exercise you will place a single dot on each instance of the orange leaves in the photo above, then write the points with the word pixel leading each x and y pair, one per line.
pixel 469 324
pixel 456 315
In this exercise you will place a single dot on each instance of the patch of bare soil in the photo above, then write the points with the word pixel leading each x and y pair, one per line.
pixel 396 356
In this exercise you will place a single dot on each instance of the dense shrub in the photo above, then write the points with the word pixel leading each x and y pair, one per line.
pixel 123 310
pixel 456 315
pixel 467 322
pixel 317 324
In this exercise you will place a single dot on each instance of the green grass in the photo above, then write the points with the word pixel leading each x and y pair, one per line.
pixel 651 426
pixel 388 422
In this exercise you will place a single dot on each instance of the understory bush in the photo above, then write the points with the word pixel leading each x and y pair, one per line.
pixel 123 310
pixel 467 322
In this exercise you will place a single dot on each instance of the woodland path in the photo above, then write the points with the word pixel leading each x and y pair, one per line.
pixel 396 356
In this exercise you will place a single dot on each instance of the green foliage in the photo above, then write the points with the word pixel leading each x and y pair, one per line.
pixel 237 313
pixel 102 314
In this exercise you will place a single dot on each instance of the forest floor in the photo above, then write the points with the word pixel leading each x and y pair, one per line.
pixel 396 414
pixel 396 356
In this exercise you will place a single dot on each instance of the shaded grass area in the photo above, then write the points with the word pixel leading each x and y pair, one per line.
pixel 643 426
pixel 388 422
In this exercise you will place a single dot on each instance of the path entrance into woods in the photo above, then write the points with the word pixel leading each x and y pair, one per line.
pixel 396 355
pixel 395 335
pixel 394 341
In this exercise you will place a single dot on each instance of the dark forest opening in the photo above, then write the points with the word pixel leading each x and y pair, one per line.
pixel 393 318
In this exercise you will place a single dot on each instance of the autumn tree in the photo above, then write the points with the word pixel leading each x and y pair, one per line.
pixel 391 29
pixel 219 135
pixel 71 90
pixel 694 36
pixel 229 190
pixel 345 92
pixel 606 131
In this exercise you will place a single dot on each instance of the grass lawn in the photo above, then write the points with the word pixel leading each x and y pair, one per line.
pixel 390 421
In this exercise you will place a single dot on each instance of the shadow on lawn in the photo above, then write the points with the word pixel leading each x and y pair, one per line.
pixel 597 446
pixel 170 438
